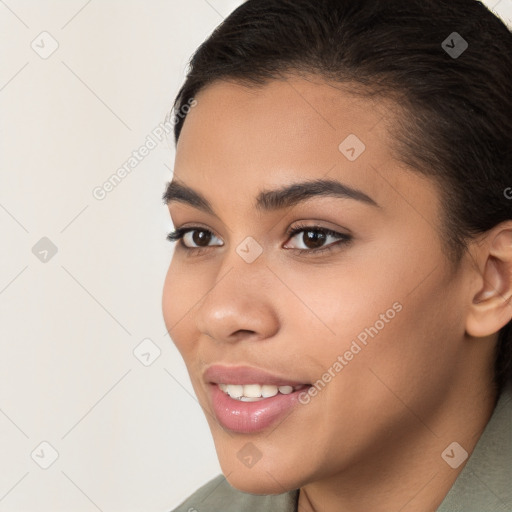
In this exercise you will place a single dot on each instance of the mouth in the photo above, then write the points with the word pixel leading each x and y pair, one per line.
pixel 249 400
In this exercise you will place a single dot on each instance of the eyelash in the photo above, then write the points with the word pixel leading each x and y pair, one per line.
pixel 178 234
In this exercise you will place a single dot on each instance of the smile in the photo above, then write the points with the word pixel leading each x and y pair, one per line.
pixel 256 392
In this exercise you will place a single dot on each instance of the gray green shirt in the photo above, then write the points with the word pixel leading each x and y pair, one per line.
pixel 484 485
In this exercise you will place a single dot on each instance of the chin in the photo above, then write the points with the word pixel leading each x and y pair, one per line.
pixel 266 477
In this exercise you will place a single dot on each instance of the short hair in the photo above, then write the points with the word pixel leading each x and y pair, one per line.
pixel 456 107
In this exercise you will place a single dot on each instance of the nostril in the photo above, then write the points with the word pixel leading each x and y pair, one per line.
pixel 243 333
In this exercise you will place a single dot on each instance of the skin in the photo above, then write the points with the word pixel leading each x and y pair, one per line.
pixel 372 438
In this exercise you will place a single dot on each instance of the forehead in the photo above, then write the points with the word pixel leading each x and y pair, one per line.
pixel 241 139
pixel 290 118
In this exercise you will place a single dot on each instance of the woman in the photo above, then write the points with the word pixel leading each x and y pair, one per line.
pixel 341 289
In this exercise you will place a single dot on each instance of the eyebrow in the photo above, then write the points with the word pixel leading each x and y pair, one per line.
pixel 271 200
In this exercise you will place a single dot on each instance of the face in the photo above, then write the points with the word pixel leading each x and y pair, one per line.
pixel 354 315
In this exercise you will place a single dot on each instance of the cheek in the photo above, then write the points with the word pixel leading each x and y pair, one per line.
pixel 182 292
pixel 334 304
pixel 407 356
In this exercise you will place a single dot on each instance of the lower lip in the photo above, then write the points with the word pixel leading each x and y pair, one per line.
pixel 250 417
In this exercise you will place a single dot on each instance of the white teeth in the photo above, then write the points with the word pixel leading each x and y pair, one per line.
pixel 267 390
pixel 252 390
pixel 255 392
pixel 235 390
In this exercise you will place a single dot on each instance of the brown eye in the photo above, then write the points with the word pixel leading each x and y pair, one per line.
pixel 198 237
pixel 313 239
pixel 191 238
pixel 201 238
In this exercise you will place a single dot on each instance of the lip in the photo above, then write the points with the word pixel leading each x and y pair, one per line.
pixel 219 374
pixel 248 417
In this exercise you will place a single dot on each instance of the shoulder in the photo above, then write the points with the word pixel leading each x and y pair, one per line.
pixel 217 495
pixel 485 483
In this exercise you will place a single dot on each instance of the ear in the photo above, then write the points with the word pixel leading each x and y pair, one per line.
pixel 491 306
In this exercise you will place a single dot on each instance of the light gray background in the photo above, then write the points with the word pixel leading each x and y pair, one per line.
pixel 129 437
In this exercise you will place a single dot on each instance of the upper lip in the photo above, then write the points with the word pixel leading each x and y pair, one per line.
pixel 220 374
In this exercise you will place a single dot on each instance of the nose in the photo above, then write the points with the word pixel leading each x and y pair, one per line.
pixel 240 304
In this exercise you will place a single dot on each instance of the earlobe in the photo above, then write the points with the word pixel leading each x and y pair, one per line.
pixel 491 307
